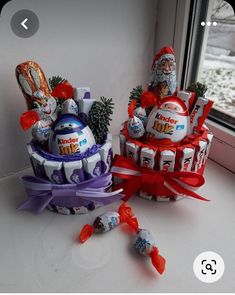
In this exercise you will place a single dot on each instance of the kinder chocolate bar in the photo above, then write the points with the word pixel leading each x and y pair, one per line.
pixel 209 138
pixel 167 160
pixel 81 93
pixel 85 105
pixel 147 160
pixel 122 140
pixel 147 157
pixel 188 98
pixel 38 164
pixel 92 166
pixel 30 149
pixel 109 137
pixel 186 159
pixel 133 150
pixel 106 155
pixel 200 146
pixel 74 171
pixel 54 171
pixel 199 114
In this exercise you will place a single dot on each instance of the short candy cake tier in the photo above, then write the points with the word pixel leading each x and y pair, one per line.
pixel 75 168
pixel 187 155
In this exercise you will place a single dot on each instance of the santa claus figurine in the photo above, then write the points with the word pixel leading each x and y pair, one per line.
pixel 163 77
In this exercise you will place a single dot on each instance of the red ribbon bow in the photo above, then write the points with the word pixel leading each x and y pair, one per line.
pixel 156 183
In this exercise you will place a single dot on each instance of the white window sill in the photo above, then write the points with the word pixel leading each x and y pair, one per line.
pixel 39 253
pixel 223 145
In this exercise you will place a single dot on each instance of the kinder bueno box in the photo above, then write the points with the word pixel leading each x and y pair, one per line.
pixel 54 171
pixel 133 150
pixel 185 156
pixel 187 97
pixel 92 166
pixel 199 114
pixel 74 171
pixel 169 120
pixel 106 155
pixel 69 135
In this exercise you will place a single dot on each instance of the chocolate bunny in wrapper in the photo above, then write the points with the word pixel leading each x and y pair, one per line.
pixel 36 91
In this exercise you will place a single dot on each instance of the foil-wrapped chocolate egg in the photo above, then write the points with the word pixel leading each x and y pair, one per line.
pixel 69 106
pixel 169 120
pixel 69 135
pixel 41 131
pixel 141 114
pixel 135 127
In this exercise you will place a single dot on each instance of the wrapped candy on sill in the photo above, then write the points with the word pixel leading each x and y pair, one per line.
pixel 144 242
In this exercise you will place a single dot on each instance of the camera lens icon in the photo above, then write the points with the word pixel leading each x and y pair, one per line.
pixel 208 267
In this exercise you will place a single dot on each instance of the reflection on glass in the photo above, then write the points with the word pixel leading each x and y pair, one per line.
pixel 219 64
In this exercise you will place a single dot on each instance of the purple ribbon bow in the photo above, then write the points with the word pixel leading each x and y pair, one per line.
pixel 41 192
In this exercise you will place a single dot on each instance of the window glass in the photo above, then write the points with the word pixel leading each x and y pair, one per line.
pixel 218 66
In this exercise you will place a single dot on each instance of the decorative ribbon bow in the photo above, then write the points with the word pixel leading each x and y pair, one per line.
pixel 42 192
pixel 156 183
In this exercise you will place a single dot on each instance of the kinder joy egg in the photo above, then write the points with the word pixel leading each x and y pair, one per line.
pixel 169 120
pixel 69 135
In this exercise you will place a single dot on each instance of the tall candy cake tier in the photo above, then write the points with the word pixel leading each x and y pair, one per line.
pixel 71 149
pixel 166 130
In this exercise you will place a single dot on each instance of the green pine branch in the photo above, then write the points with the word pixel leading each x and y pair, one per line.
pixel 99 117
pixel 135 94
pixel 199 88
pixel 55 80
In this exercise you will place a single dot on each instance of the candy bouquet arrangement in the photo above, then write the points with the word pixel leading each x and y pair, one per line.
pixel 71 148
pixel 164 144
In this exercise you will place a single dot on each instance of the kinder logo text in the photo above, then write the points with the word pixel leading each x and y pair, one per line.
pixel 166 119
pixel 67 141
pixel 186 164
pixel 68 146
pixel 166 165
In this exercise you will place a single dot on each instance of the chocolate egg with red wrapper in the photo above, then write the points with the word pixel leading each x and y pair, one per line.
pixel 168 120
pixel 69 135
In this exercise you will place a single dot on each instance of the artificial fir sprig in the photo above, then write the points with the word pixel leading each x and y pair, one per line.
pixel 135 94
pixel 99 117
pixel 56 80
pixel 199 88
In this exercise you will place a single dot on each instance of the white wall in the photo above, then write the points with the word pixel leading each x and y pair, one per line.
pixel 104 44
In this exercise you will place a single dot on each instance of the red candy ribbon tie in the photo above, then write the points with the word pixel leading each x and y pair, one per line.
pixel 154 182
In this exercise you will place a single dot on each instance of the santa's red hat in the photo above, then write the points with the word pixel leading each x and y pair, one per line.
pixel 165 50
